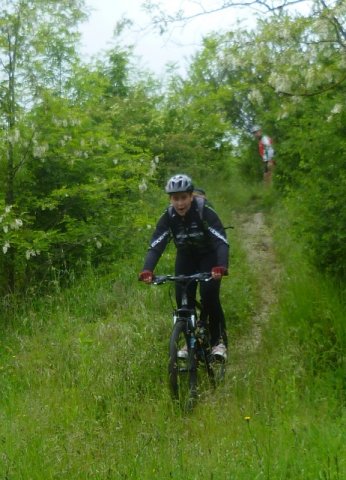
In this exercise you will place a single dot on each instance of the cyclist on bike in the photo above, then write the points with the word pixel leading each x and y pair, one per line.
pixel 201 245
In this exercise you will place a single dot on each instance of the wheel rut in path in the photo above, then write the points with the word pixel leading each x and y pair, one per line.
pixel 257 241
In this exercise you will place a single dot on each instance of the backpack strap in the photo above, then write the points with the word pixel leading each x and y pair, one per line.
pixel 200 205
pixel 170 211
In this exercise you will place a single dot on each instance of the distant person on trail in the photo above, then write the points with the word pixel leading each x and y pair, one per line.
pixel 266 151
pixel 201 246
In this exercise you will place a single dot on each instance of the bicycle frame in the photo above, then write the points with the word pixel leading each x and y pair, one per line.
pixel 187 327
pixel 184 312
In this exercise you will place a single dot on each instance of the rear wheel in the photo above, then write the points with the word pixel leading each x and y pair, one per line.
pixel 214 365
pixel 204 369
pixel 182 372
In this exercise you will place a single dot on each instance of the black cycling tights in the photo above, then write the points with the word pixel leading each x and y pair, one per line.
pixel 209 291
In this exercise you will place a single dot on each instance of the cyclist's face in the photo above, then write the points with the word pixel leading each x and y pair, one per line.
pixel 181 202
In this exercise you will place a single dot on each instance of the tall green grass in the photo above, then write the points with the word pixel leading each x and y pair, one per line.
pixel 83 377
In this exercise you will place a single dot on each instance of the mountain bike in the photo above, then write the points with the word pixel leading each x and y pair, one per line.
pixel 187 372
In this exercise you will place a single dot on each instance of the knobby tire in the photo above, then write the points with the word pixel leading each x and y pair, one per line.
pixel 182 373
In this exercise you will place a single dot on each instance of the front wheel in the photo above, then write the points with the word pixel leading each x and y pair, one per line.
pixel 182 372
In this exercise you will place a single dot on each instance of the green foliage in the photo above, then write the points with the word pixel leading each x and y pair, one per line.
pixel 315 185
pixel 29 63
pixel 78 185
pixel 195 130
pixel 80 165
pixel 288 76
pixel 311 312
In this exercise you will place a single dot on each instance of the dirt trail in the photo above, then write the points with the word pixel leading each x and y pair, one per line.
pixel 258 244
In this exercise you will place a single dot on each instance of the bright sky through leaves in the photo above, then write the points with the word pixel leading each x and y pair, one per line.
pixel 155 50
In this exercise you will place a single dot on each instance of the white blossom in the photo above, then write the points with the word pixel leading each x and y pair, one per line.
pixel 328 76
pixel 255 96
pixel 310 78
pixel 336 109
pixel 233 62
pixel 283 114
pixel 17 224
pixel 5 247
pixel 14 136
pixel 103 142
pixel 75 122
pixel 31 253
pixel 143 186
pixel 296 100
pixel 8 208
pixel 153 167
pixel 5 228
pixel 40 150
pixel 279 82
pixel 285 33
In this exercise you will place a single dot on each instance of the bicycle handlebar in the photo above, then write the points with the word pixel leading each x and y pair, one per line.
pixel 196 277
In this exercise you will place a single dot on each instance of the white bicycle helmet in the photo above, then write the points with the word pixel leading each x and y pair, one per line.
pixel 179 183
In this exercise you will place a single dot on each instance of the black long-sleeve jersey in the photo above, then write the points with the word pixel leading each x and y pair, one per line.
pixel 191 234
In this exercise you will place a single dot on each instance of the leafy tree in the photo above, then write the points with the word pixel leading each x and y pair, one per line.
pixel 307 58
pixel 82 180
pixel 287 75
pixel 28 31
pixel 78 146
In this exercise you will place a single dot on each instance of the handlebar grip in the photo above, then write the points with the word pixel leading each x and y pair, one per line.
pixel 198 277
